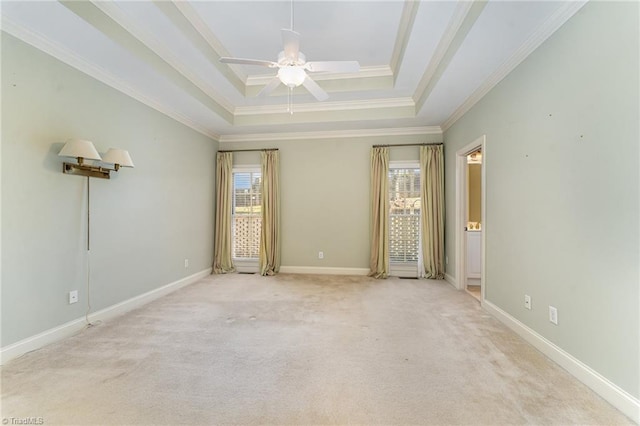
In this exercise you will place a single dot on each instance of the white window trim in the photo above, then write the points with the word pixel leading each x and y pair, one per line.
pixel 244 264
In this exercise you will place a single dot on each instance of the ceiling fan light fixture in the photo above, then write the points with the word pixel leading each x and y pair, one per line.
pixel 292 76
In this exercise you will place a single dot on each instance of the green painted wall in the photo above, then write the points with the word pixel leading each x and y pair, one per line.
pixel 144 221
pixel 562 183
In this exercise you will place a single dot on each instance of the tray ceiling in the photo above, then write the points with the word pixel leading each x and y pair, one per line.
pixel 423 64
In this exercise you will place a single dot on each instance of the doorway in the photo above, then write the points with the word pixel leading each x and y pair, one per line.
pixel 471 218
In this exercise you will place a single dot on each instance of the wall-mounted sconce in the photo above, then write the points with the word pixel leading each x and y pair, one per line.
pixel 84 150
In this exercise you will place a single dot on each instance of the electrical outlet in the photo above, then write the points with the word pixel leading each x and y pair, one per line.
pixel 320 255
pixel 553 315
pixel 186 263
pixel 527 301
pixel 73 297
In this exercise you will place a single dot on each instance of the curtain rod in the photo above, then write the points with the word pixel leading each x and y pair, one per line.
pixel 405 144
pixel 249 150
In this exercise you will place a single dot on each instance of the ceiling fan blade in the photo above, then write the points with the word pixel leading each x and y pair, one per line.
pixel 291 43
pixel 273 84
pixel 333 66
pixel 242 61
pixel 314 89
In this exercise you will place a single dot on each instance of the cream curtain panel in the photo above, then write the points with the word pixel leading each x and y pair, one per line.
pixel 222 262
pixel 379 260
pixel 270 237
pixel 432 200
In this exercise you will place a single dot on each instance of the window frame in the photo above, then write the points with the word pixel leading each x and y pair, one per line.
pixel 406 269
pixel 242 264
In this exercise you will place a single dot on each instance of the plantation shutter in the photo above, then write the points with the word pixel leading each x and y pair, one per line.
pixel 247 220
pixel 404 218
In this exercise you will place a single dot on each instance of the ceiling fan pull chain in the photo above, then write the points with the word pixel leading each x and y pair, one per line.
pixel 291 15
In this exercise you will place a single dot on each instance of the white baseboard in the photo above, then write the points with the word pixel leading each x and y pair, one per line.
pixel 617 397
pixel 72 327
pixel 448 278
pixel 317 270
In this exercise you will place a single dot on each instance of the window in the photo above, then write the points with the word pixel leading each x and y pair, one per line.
pixel 404 218
pixel 246 220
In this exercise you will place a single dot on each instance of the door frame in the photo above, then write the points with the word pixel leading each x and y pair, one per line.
pixel 461 213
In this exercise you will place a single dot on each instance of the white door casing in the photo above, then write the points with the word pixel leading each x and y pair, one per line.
pixel 461 213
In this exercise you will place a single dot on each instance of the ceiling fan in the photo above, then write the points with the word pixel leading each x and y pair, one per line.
pixel 293 66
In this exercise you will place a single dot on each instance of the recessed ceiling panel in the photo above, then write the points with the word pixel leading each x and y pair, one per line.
pixel 336 31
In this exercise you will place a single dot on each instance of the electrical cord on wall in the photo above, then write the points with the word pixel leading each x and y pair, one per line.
pixel 86 315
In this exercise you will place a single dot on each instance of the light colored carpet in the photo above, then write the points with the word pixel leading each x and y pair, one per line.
pixel 296 349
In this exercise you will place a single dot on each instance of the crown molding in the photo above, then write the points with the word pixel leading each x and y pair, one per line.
pixel 365 72
pixel 73 60
pixel 150 42
pixel 550 26
pixel 377 79
pixel 408 17
pixel 449 34
pixel 238 77
pixel 196 21
pixel 327 106
pixel 331 134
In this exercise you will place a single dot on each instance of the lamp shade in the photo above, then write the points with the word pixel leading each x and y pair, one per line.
pixel 292 76
pixel 80 148
pixel 119 157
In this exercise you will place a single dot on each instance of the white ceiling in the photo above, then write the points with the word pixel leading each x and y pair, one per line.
pixel 423 64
